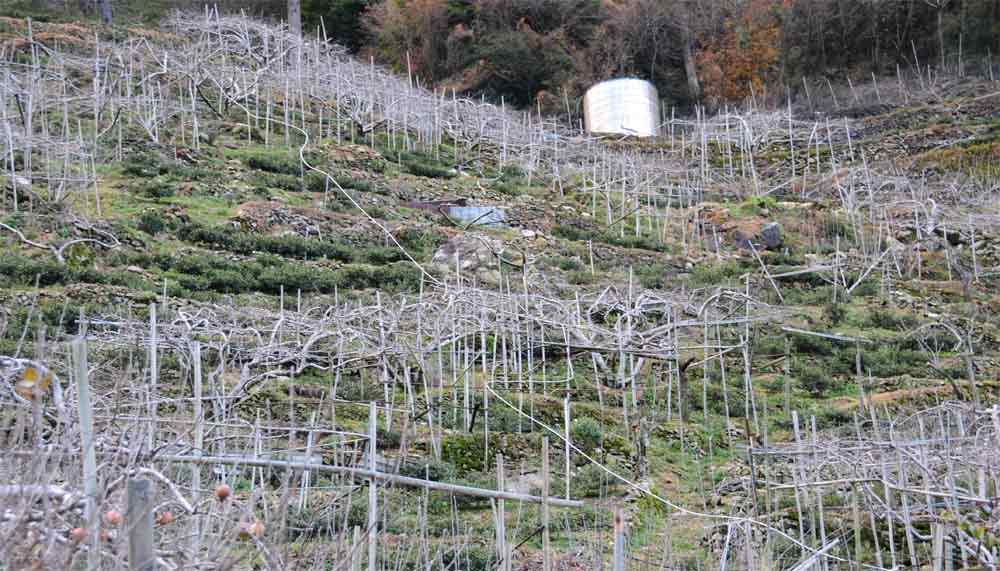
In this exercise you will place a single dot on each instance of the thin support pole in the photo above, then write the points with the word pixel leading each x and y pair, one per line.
pixel 79 352
pixel 139 518
pixel 372 489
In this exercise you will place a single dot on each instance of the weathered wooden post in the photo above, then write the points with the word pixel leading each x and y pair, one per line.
pixel 619 549
pixel 139 518
pixel 501 524
pixel 79 351
pixel 546 541
pixel 937 546
pixel 199 440
pixel 153 376
pixel 372 488
pixel 566 420
pixel 356 549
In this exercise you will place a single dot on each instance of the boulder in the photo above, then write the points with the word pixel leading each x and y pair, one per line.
pixel 762 236
pixel 474 252
pixel 770 236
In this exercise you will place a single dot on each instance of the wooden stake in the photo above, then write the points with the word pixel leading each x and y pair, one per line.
pixel 546 540
pixel 139 520
pixel 372 489
pixel 79 350
pixel 619 548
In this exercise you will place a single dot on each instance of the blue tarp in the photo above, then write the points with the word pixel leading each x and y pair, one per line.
pixel 477 215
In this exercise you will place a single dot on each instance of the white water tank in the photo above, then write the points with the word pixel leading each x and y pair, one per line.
pixel 622 107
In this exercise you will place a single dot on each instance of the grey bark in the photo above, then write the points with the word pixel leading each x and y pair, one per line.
pixel 690 69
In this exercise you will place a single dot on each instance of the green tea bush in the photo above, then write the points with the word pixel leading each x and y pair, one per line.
pixel 651 276
pixel 155 188
pixel 580 277
pixel 266 181
pixel 278 163
pixel 881 318
pixel 591 481
pixel 429 469
pixel 812 345
pixel 151 222
pixel 586 433
pixel 834 313
pixel 428 170
pixel 389 439
pixel 717 274
pixel 813 378
pixel 382 255
pixel 291 246
pixel 463 451
pixel 567 264
pixel 577 234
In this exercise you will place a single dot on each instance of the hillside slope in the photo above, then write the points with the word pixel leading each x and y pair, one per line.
pixel 259 237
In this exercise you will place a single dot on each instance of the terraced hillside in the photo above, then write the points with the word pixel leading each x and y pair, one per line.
pixel 764 338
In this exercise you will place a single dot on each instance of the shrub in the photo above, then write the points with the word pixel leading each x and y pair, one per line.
pixel 716 274
pixel 380 255
pixel 592 481
pixel 278 163
pixel 348 182
pixel 429 469
pixel 512 182
pixel 463 451
pixel 148 165
pixel 577 234
pixel 812 345
pixel 568 264
pixel 834 313
pixel 651 276
pixel 427 170
pixel 142 165
pixel 420 242
pixel 155 188
pixel 586 433
pixel 20 270
pixel 151 222
pixel 755 204
pixel 521 63
pixel 887 319
pixel 745 56
pixel 890 360
pixel 240 242
pixel 388 438
pixel 813 379
pixel 265 181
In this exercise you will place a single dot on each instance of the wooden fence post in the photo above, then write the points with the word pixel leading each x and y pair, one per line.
pixel 937 546
pixel 546 541
pixel 501 524
pixel 619 549
pixel 79 351
pixel 566 421
pixel 356 549
pixel 372 489
pixel 154 371
pixel 199 440
pixel 139 520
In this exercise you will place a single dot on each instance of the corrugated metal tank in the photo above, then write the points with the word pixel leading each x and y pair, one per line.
pixel 623 107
